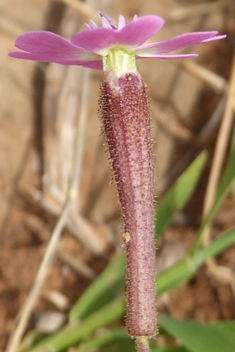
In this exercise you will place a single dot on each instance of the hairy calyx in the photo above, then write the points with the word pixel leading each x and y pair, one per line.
pixel 125 113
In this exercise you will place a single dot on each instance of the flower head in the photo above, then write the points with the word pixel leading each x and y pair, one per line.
pixel 90 48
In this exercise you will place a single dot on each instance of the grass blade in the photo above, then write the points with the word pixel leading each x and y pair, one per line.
pixel 110 337
pixel 179 273
pixel 179 194
pixel 120 338
pixel 72 334
pixel 187 267
pixel 225 185
pixel 102 291
pixel 199 337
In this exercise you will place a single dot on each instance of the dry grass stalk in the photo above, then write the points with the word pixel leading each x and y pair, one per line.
pixel 43 270
pixel 27 308
pixel 216 82
pixel 218 160
pixel 7 25
pixel 60 120
pixel 70 113
pixel 174 127
pixel 202 138
pixel 94 238
pixel 199 9
pixel 76 264
pixel 60 108
pixel 83 8
pixel 59 300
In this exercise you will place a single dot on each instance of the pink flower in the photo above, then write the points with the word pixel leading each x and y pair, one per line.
pixel 88 47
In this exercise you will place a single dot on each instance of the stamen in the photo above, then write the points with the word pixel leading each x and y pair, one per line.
pixel 103 15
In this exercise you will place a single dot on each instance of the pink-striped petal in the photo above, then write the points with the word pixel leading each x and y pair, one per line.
pixel 178 42
pixel 132 35
pixel 168 56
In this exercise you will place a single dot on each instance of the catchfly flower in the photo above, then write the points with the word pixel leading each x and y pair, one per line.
pixel 89 47
pixel 124 109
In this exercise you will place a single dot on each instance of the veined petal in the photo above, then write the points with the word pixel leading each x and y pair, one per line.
pixel 178 42
pixel 132 35
pixel 50 47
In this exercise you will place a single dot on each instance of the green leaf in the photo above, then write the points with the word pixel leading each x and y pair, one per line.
pixel 111 281
pixel 169 349
pixel 225 185
pixel 187 267
pixel 30 339
pixel 179 194
pixel 172 277
pixel 199 337
pixel 102 291
pixel 110 337
pixel 228 326
pixel 72 334
pixel 120 339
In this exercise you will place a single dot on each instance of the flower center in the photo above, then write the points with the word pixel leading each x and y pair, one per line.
pixel 120 61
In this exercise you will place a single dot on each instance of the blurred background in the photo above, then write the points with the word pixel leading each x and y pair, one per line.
pixel 52 153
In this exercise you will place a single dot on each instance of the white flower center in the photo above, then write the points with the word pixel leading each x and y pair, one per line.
pixel 120 61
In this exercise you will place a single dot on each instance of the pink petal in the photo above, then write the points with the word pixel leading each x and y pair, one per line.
pixel 179 42
pixel 133 35
pixel 218 37
pixel 95 40
pixel 50 47
pixel 140 30
pixel 169 56
pixel 44 41
pixel 97 64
